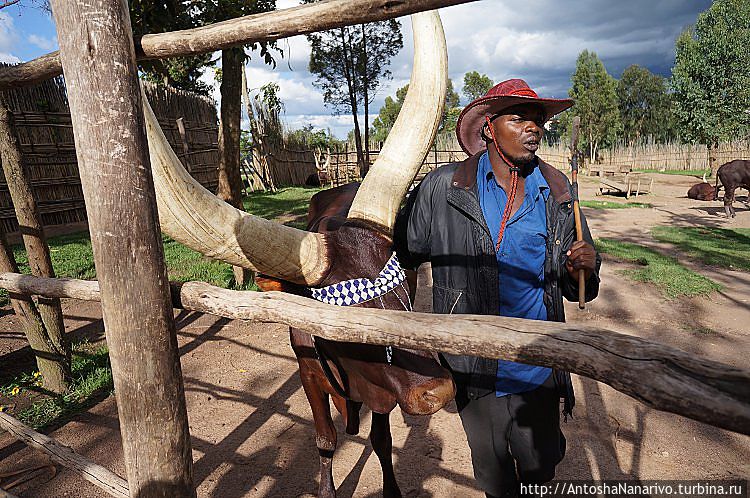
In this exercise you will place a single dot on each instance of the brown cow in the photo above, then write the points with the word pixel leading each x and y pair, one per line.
pixel 352 240
pixel 733 175
pixel 703 191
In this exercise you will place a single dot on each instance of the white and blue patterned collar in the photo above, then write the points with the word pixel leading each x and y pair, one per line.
pixel 360 290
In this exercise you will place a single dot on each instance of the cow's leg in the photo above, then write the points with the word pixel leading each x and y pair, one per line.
pixel 380 437
pixel 325 432
pixel 728 199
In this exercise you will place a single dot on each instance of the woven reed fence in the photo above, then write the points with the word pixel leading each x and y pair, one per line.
pixel 343 166
pixel 43 124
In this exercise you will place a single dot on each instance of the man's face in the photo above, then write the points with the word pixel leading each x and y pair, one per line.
pixel 519 130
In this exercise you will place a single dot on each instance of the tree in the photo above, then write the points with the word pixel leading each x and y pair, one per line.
pixel 596 103
pixel 389 112
pixel 645 105
pixel 387 115
pixel 350 64
pixel 710 78
pixel 476 85
pixel 147 16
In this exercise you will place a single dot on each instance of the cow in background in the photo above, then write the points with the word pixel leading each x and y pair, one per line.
pixel 732 175
pixel 703 191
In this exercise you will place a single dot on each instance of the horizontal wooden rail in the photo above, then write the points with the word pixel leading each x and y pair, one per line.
pixel 95 474
pixel 660 376
pixel 267 26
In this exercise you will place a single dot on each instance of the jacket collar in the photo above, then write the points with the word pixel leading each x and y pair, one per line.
pixel 465 178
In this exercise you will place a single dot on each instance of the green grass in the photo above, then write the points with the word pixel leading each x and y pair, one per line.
pixel 72 256
pixel 286 203
pixel 688 172
pixel 722 247
pixel 91 378
pixel 665 272
pixel 613 205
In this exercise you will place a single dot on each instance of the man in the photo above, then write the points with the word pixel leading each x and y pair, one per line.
pixel 499 231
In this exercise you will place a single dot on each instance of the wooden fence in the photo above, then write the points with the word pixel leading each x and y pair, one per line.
pixel 43 124
pixel 343 167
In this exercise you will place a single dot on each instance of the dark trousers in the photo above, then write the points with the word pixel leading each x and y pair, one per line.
pixel 513 439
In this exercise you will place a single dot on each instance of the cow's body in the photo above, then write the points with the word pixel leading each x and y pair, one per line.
pixel 732 175
pixel 703 192
pixel 414 380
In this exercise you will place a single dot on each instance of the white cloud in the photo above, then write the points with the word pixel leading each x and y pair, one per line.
pixel 9 58
pixel 43 43
pixel 8 37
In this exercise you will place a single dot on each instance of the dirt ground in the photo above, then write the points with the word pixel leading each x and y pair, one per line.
pixel 252 431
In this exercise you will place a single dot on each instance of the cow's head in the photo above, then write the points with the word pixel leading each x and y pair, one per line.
pixel 358 248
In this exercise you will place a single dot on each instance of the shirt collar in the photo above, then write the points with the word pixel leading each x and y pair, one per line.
pixel 535 182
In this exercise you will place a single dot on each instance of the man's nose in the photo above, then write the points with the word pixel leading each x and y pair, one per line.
pixel 533 127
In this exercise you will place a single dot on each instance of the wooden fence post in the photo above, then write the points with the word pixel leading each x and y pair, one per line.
pixel 98 60
pixel 185 148
pixel 53 359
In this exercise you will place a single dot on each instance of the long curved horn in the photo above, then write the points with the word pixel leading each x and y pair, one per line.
pixel 385 185
pixel 195 217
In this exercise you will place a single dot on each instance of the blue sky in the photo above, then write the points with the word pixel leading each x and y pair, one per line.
pixel 537 40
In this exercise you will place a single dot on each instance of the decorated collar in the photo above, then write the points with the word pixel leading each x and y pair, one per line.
pixel 359 290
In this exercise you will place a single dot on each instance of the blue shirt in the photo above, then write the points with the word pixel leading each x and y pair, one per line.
pixel 520 263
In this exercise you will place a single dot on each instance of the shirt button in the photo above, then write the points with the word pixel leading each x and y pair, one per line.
pixel 557 242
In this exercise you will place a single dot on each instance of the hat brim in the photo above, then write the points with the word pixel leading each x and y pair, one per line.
pixel 471 119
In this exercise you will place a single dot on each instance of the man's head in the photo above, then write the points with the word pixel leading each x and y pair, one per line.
pixel 518 131
pixel 511 96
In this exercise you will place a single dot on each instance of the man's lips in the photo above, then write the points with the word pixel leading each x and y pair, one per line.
pixel 531 145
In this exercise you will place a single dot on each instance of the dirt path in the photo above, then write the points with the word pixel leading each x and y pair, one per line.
pixel 251 425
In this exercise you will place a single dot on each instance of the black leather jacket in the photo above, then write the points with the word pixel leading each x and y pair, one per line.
pixel 443 223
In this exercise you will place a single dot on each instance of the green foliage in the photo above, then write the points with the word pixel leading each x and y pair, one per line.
pixel 351 61
pixel 310 138
pixel 596 103
pixel 147 16
pixel 613 205
pixel 91 379
pixel 451 111
pixel 387 115
pixel 476 85
pixel 710 78
pixel 389 112
pixel 645 105
pixel 723 247
pixel 665 272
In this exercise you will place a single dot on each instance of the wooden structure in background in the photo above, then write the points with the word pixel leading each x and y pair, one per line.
pixel 43 125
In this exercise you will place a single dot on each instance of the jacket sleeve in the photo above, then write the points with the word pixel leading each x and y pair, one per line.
pixel 569 284
pixel 411 234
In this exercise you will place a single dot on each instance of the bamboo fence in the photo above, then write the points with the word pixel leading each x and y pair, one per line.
pixel 343 167
pixel 43 124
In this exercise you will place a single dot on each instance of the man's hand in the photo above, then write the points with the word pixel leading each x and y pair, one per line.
pixel 581 256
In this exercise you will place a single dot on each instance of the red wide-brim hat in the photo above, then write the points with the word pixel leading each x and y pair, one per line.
pixel 500 97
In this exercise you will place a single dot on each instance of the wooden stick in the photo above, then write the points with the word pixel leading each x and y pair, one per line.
pixel 267 26
pixel 113 159
pixel 65 456
pixel 658 375
pixel 576 206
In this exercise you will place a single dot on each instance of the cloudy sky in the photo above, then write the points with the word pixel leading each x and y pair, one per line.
pixel 537 40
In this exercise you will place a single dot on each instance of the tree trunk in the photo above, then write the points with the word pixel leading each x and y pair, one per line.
pixel 50 333
pixel 713 159
pixel 366 102
pixel 53 366
pixel 351 84
pixel 230 178
pixel 106 108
